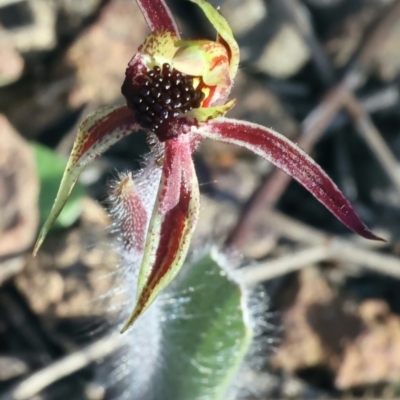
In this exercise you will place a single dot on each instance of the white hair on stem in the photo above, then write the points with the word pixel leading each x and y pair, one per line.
pixel 136 370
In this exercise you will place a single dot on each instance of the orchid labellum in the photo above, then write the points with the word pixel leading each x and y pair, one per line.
pixel 177 90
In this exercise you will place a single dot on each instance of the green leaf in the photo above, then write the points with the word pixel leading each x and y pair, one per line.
pixel 50 170
pixel 205 335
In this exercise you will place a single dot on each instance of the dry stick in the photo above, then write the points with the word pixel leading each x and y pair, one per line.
pixel 6 3
pixel 271 269
pixel 300 17
pixel 382 99
pixel 377 35
pixel 314 125
pixel 10 268
pixel 341 249
pixel 324 247
pixel 373 138
pixel 45 377
pixel 302 233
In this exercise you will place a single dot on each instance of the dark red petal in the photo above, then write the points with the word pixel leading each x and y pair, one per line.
pixel 283 153
pixel 158 16
pixel 174 218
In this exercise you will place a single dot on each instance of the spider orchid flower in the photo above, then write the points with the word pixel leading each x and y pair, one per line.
pixel 177 90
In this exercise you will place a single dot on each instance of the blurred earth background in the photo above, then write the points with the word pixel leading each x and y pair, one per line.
pixel 325 73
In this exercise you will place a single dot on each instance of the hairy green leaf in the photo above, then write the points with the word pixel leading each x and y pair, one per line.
pixel 205 335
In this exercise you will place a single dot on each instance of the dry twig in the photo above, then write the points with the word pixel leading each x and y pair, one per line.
pixel 52 373
pixel 325 247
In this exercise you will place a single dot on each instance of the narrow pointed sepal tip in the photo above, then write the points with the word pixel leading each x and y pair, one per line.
pixel 367 234
pixel 38 243
pixel 353 222
pixel 36 248
pixel 136 313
